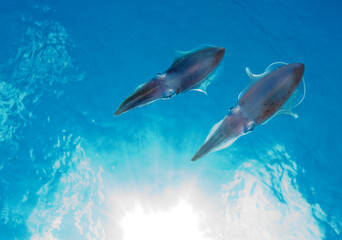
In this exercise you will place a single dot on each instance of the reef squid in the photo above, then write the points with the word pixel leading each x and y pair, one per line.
pixel 277 91
pixel 193 70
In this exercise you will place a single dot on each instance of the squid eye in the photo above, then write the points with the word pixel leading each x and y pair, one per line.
pixel 249 127
pixel 169 93
pixel 232 109
pixel 160 75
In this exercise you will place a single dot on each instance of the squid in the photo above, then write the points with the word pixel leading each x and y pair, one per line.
pixel 193 70
pixel 277 91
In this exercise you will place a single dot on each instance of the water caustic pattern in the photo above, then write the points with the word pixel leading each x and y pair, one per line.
pixel 261 200
pixel 11 106
pixel 43 60
pixel 69 169
pixel 40 62
pixel 39 67
pixel 71 194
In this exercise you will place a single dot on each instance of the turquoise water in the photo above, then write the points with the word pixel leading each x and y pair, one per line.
pixel 69 169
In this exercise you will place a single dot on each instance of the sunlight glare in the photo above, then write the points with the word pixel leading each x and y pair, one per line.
pixel 179 222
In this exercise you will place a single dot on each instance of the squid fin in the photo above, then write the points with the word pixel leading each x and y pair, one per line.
pixel 202 86
pixel 296 98
pixel 253 78
pixel 138 87
pixel 181 54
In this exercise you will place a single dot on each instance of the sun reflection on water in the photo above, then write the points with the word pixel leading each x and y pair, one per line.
pixel 179 222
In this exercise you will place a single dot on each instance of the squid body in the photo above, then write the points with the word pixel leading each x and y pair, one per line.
pixel 277 91
pixel 193 70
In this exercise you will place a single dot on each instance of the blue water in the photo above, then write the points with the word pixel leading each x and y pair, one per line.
pixel 70 170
